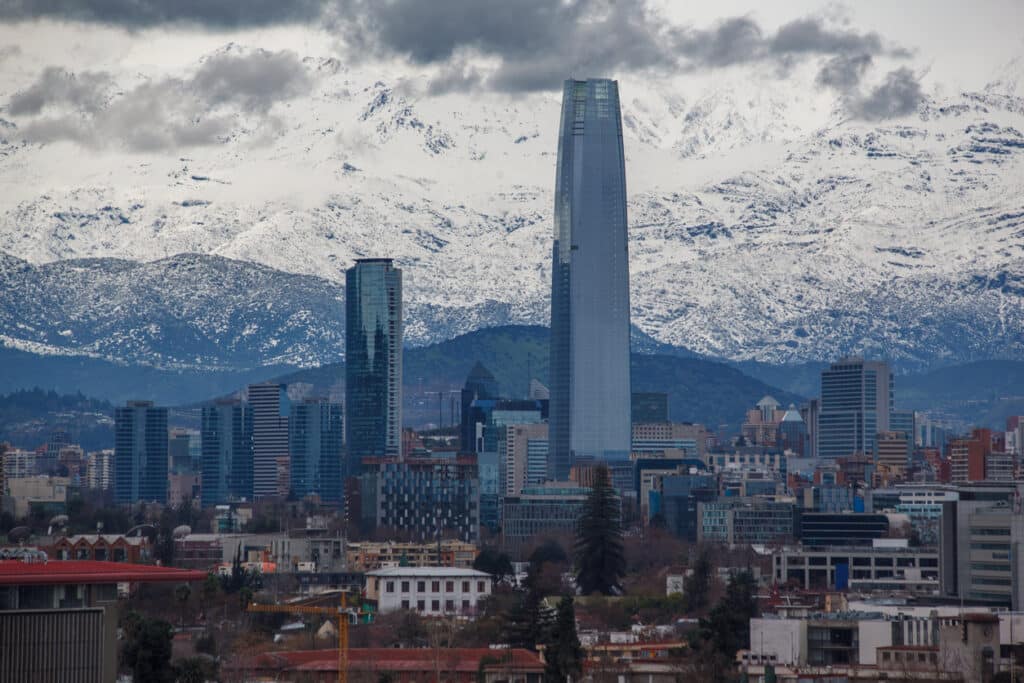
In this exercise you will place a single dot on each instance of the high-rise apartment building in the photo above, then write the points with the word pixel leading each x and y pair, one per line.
pixel 373 361
pixel 227 464
pixel 268 402
pixel 99 469
pixel 140 453
pixel 589 365
pixel 316 436
pixel 856 404
pixel 523 457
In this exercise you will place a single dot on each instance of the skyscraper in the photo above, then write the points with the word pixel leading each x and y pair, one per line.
pixel 373 361
pixel 316 438
pixel 140 453
pixel 590 389
pixel 856 404
pixel 269 404
pixel 226 452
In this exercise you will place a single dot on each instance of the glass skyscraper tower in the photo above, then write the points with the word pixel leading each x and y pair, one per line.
pixel 856 404
pixel 590 389
pixel 373 361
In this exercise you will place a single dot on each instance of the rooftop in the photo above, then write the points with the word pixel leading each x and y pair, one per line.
pixel 428 572
pixel 18 573
pixel 392 659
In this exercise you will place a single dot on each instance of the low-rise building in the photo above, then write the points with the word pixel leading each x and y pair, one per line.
pixel 883 567
pixel 368 555
pixel 742 521
pixel 45 494
pixel 552 509
pixel 101 547
pixel 430 591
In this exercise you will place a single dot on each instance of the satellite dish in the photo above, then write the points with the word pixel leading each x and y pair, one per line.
pixel 183 530
pixel 19 534
pixel 59 521
pixel 142 529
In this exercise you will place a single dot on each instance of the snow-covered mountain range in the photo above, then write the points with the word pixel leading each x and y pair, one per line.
pixel 766 223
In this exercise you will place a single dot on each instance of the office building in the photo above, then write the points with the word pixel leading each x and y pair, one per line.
pixel 373 361
pixel 883 566
pixel 680 497
pixel 523 457
pixel 743 521
pixel 480 384
pixel 184 451
pixel 227 464
pixel 315 435
pixel 140 453
pixel 99 469
pixel 649 407
pixel 792 433
pixel 810 412
pixel 687 439
pixel 842 528
pixel 856 404
pixel 894 448
pixel 269 405
pixel 589 365
pixel 424 497
pixel 538 512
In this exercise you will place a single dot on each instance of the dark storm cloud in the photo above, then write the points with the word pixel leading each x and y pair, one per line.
pixel 146 13
pixel 899 95
pixel 161 114
pixel 843 72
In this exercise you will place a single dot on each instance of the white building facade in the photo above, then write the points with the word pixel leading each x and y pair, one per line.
pixel 429 591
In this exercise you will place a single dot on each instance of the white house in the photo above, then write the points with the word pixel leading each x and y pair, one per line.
pixel 431 591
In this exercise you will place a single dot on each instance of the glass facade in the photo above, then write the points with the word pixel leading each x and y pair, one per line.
pixel 856 404
pixel 315 440
pixel 140 453
pixel 373 360
pixel 226 452
pixel 589 366
pixel 269 404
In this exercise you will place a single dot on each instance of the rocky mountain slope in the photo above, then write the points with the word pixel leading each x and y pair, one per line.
pixel 767 225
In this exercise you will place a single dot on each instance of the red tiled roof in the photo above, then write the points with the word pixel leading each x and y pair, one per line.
pixel 18 573
pixel 393 659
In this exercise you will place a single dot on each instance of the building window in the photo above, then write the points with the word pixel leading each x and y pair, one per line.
pixel 405 586
pixel 449 605
pixel 421 586
pixel 480 587
pixel 389 587
pixel 465 605
pixel 449 586
pixel 435 586
pixel 465 586
pixel 886 657
pixel 435 605
pixel 405 604
pixel 421 605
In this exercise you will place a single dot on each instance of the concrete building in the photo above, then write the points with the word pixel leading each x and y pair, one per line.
pixel 369 555
pixel 41 603
pixel 894 451
pixel 523 457
pixel 43 494
pixel 742 521
pixel 982 545
pixel 269 404
pixel 430 591
pixel 552 509
pixel 687 438
pixel 99 470
pixel 883 567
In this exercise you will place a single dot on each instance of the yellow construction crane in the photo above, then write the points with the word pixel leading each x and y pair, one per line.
pixel 342 613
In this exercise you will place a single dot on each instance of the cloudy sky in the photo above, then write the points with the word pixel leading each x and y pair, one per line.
pixel 59 58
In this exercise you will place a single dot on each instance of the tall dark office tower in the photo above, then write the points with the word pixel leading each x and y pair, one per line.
pixel 373 361
pixel 856 404
pixel 590 390
pixel 269 404
pixel 315 436
pixel 226 452
pixel 480 384
pixel 140 453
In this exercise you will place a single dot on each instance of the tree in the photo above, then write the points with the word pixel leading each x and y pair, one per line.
pixel 163 550
pixel 727 628
pixel 182 592
pixel 527 623
pixel 494 562
pixel 563 654
pixel 698 584
pixel 147 649
pixel 600 559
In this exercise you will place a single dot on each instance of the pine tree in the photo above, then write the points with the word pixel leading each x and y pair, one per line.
pixel 727 627
pixel 563 654
pixel 698 584
pixel 600 559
